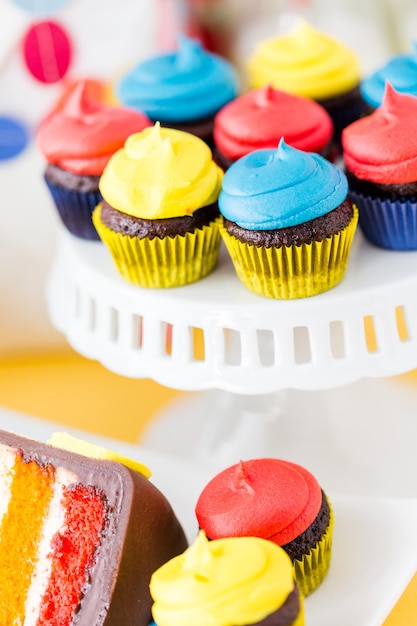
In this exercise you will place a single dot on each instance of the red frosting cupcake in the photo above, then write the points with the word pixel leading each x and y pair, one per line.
pixel 259 118
pixel 380 154
pixel 77 139
pixel 275 500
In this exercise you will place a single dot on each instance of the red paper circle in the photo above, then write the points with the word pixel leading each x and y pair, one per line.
pixel 47 51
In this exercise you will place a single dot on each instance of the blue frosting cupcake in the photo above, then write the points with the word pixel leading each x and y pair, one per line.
pixel 182 89
pixel 400 72
pixel 288 223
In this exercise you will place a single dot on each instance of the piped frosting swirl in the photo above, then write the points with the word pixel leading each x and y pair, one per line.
pixel 269 189
pixel 228 581
pixel 82 133
pixel 259 118
pixel 268 498
pixel 161 173
pixel 306 62
pixel 400 71
pixel 381 148
pixel 187 84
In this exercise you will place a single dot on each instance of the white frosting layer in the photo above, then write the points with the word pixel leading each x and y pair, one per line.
pixel 7 457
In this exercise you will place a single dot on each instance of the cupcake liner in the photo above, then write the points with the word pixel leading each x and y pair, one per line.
pixel 290 272
pixel 343 114
pixel 387 223
pixel 312 569
pixel 162 263
pixel 75 209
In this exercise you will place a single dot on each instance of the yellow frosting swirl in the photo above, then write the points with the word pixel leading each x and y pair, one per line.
pixel 161 173
pixel 238 580
pixel 306 62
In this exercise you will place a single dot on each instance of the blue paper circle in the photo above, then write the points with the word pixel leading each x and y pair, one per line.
pixel 35 7
pixel 14 137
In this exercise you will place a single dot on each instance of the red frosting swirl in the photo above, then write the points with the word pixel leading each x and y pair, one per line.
pixel 267 498
pixel 382 148
pixel 81 133
pixel 259 118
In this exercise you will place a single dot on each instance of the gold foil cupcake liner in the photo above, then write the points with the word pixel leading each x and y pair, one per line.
pixel 312 569
pixel 162 263
pixel 290 272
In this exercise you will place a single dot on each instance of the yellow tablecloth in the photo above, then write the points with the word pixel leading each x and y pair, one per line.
pixel 79 393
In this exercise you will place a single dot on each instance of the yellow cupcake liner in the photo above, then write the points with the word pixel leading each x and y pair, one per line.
pixel 312 569
pixel 290 272
pixel 162 263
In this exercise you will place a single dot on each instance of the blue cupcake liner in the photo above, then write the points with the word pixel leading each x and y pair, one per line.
pixel 344 115
pixel 387 223
pixel 75 209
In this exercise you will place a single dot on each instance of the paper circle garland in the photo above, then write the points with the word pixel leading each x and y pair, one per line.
pixel 14 137
pixel 47 51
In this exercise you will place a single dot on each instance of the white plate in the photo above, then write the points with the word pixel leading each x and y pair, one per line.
pixel 374 547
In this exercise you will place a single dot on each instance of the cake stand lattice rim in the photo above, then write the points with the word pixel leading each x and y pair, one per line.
pixel 216 334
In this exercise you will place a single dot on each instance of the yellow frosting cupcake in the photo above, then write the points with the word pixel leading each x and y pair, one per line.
pixel 159 217
pixel 238 580
pixel 307 62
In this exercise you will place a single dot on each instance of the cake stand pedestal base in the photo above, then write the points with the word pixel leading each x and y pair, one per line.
pixel 358 439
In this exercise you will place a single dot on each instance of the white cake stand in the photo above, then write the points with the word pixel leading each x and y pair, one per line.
pixel 277 375
pixel 251 345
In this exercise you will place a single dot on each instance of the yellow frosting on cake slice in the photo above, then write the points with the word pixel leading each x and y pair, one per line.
pixel 93 451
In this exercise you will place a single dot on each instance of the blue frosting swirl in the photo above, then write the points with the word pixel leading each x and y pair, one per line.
pixel 400 71
pixel 188 84
pixel 270 189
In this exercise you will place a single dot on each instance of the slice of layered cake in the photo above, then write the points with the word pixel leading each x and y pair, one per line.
pixel 79 537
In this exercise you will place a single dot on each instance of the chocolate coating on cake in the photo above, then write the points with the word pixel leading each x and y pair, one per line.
pixel 302 544
pixel 141 534
pixel 379 190
pixel 286 614
pixel 68 180
pixel 307 232
pixel 169 227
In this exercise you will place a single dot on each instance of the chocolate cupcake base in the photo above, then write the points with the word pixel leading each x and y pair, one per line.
pixel 343 109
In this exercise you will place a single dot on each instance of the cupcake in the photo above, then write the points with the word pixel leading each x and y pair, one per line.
pixel 380 155
pixel 77 139
pixel 309 63
pixel 400 71
pixel 182 89
pixel 159 217
pixel 275 500
pixel 288 223
pixel 259 118
pixel 241 580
